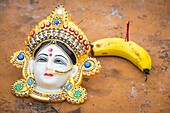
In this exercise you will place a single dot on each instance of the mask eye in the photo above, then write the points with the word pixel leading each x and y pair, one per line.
pixel 59 61
pixel 41 59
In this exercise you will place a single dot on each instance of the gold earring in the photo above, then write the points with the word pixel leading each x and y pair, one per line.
pixel 73 93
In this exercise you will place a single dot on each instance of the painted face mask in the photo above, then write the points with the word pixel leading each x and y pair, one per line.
pixel 54 61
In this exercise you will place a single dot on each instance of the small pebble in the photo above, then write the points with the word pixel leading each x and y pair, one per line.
pixel 121 16
pixel 114 12
pixel 30 104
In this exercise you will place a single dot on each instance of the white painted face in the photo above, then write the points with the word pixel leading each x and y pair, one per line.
pixel 48 60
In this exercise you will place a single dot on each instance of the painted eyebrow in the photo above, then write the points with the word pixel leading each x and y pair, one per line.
pixel 42 54
pixel 61 56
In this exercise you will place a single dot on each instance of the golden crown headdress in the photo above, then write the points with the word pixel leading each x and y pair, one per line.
pixel 58 25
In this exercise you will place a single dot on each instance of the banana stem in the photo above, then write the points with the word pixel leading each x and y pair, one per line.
pixel 146 78
pixel 146 71
pixel 127 32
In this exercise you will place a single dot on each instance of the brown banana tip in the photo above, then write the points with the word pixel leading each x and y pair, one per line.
pixel 91 51
pixel 146 71
pixel 91 44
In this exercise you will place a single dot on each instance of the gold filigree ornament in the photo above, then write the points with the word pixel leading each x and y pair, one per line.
pixel 57 27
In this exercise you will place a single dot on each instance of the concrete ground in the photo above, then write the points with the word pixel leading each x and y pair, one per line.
pixel 120 87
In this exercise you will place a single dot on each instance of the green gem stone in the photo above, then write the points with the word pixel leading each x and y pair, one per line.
pixel 77 93
pixel 53 42
pixel 18 87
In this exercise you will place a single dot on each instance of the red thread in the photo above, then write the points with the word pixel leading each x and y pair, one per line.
pixel 127 32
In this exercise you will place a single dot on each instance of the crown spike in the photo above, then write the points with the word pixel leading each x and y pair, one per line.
pixel 58 26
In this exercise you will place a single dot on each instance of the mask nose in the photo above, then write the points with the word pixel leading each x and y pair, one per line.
pixel 49 65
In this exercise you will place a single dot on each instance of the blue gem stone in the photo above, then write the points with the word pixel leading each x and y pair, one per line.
pixel 68 86
pixel 30 81
pixel 87 64
pixel 56 22
pixel 20 57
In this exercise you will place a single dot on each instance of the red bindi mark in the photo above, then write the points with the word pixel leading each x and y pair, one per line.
pixel 50 50
pixel 50 54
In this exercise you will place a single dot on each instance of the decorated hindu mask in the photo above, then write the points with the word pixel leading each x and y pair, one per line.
pixel 54 61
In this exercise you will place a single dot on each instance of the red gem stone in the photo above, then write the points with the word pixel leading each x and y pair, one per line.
pixel 32 33
pixel 48 24
pixel 42 26
pixel 71 29
pixel 87 47
pixel 65 26
pixel 80 37
pixel 85 42
pixel 76 32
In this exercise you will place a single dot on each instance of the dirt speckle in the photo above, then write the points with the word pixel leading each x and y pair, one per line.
pixel 86 79
pixel 32 2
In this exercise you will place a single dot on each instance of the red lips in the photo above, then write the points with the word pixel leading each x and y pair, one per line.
pixel 48 74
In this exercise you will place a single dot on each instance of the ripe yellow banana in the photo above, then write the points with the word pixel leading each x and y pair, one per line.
pixel 126 49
